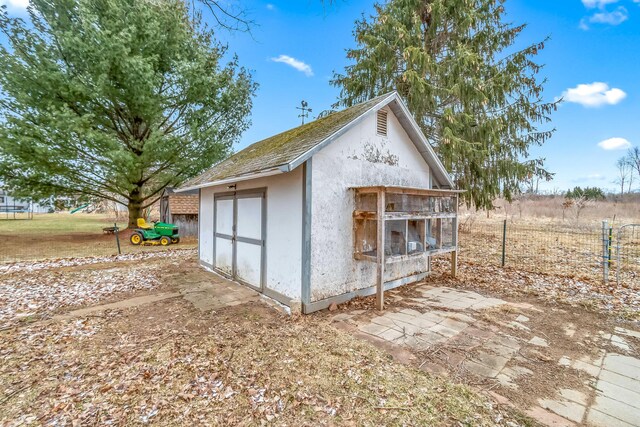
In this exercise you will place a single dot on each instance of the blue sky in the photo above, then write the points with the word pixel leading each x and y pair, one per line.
pixel 593 59
pixel 591 42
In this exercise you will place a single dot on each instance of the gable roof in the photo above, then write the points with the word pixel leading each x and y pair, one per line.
pixel 284 152
pixel 183 204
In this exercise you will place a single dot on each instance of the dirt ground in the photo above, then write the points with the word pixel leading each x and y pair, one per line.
pixel 169 363
pixel 178 361
pixel 620 301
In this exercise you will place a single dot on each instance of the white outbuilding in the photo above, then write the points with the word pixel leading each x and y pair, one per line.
pixel 295 216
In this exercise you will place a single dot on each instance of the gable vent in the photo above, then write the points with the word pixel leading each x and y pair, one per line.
pixel 381 123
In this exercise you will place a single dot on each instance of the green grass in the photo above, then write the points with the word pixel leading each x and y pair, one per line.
pixel 58 223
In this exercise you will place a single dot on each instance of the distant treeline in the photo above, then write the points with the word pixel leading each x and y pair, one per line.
pixel 588 193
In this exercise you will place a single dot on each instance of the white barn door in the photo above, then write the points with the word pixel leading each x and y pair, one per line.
pixel 240 236
pixel 223 238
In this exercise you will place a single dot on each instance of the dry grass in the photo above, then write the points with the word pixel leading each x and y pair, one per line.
pixel 170 364
pixel 546 250
pixel 57 223
pixel 550 210
pixel 540 240
pixel 620 301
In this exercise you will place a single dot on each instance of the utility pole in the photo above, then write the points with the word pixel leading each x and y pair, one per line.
pixel 304 110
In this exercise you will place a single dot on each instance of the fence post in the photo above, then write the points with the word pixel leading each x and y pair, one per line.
pixel 610 244
pixel 115 225
pixel 504 241
pixel 605 251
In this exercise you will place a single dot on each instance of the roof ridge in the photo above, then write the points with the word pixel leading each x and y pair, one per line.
pixel 319 119
pixel 283 148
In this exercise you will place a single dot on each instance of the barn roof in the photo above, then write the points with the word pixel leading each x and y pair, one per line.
pixel 286 151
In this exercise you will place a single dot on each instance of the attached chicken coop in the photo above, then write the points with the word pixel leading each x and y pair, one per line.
pixel 407 223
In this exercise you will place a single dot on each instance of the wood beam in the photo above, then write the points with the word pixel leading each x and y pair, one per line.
pixel 405 190
pixel 380 251
pixel 454 263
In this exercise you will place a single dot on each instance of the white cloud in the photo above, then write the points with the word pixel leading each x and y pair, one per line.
pixel 596 176
pixel 589 178
pixel 297 64
pixel 600 4
pixel 614 144
pixel 593 95
pixel 272 7
pixel 604 16
pixel 583 24
pixel 616 17
pixel 15 4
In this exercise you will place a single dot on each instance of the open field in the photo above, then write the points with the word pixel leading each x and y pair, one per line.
pixel 553 210
pixel 63 235
pixel 170 363
pixel 59 223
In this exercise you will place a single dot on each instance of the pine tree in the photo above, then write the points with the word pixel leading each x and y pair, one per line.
pixel 475 95
pixel 114 99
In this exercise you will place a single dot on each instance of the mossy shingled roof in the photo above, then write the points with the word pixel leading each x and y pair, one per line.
pixel 283 148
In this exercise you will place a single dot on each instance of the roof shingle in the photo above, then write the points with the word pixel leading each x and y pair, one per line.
pixel 283 148
pixel 183 204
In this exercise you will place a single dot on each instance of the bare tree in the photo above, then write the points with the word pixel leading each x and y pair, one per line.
pixel 229 15
pixel 567 204
pixel 633 158
pixel 579 204
pixel 625 173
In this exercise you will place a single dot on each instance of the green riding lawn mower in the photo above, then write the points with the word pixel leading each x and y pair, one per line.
pixel 158 233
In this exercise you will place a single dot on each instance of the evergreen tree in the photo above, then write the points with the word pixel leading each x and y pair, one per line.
pixel 114 99
pixel 474 94
pixel 587 193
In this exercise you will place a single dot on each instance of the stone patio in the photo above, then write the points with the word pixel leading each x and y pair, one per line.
pixel 451 324
pixel 214 292
pixel 206 291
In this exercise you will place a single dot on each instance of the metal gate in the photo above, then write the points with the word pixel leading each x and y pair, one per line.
pixel 627 253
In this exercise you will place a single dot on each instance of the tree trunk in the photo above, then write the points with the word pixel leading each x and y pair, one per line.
pixel 135 212
pixel 135 207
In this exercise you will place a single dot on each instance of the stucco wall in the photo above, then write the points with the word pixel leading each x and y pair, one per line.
pixel 284 228
pixel 205 238
pixel 358 158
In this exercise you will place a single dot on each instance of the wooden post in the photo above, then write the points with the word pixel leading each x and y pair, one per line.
pixel 454 263
pixel 380 251
pixel 454 234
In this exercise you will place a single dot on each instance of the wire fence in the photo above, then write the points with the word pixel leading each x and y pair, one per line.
pixel 47 245
pixel 585 253
pixel 589 254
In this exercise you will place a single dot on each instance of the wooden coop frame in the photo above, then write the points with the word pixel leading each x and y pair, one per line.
pixel 431 213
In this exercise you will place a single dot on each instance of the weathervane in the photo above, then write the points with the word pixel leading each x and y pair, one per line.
pixel 305 110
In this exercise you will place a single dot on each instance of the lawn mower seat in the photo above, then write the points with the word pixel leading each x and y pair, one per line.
pixel 144 224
